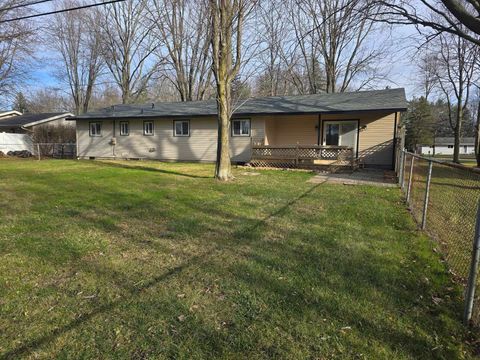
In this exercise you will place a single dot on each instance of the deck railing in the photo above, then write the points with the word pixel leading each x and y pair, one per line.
pixel 302 156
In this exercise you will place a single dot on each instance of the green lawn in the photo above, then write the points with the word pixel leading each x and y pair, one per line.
pixel 453 201
pixel 152 260
pixel 471 163
pixel 467 160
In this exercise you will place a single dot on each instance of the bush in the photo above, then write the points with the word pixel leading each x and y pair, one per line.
pixel 54 134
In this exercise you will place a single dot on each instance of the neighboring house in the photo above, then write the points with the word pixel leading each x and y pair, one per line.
pixel 444 146
pixel 15 122
pixel 187 131
pixel 6 114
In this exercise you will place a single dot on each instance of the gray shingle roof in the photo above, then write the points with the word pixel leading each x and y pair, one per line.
pixel 22 120
pixel 439 141
pixel 388 99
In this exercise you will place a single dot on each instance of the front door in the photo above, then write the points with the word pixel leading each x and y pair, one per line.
pixel 341 133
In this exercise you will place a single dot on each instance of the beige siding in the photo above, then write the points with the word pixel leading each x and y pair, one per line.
pixel 94 146
pixel 292 129
pixel 375 143
pixel 375 137
pixel 201 145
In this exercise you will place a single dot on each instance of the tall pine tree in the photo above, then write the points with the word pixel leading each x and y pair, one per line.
pixel 21 103
pixel 420 124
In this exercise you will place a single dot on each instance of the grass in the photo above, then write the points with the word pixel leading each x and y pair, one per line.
pixel 451 216
pixel 467 160
pixel 154 260
pixel 471 163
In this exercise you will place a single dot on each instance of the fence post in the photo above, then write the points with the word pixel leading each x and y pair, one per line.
pixel 410 178
pixel 352 159
pixel 38 151
pixel 427 194
pixel 401 168
pixel 472 277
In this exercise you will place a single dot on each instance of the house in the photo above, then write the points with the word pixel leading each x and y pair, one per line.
pixel 18 123
pixel 19 132
pixel 444 146
pixel 6 114
pixel 364 122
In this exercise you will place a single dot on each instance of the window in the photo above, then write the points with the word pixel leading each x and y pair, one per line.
pixel 450 146
pixel 332 134
pixel 95 129
pixel 181 128
pixel 124 128
pixel 241 127
pixel 148 128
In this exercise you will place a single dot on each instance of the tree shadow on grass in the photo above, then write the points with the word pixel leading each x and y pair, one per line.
pixel 117 278
pixel 354 278
pixel 364 272
pixel 133 292
pixel 147 168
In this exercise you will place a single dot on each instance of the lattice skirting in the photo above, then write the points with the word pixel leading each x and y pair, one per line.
pixel 305 164
pixel 280 163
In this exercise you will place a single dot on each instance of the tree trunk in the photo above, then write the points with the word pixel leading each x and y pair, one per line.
pixel 223 167
pixel 225 71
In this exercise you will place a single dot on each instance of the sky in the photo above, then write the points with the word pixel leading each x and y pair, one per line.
pixel 400 66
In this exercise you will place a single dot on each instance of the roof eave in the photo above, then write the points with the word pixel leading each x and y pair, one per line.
pixel 52 118
pixel 237 114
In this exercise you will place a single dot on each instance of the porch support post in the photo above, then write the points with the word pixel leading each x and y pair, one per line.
pixel 352 159
pixel 319 128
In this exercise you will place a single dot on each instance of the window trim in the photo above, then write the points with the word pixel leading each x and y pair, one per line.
pixel 120 130
pixel 181 121
pixel 249 127
pixel 153 127
pixel 90 129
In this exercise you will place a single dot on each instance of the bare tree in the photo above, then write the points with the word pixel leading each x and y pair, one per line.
pixel 127 47
pixel 274 34
pixel 338 43
pixel 76 37
pixel 455 73
pixel 458 17
pixel 48 100
pixel 105 95
pixel 16 39
pixel 227 18
pixel 427 73
pixel 302 59
pixel 184 33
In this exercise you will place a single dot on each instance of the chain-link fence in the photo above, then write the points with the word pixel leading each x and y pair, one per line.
pixel 444 198
pixel 55 150
pixel 39 150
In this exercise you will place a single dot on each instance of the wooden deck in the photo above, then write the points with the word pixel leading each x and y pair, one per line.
pixel 332 158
